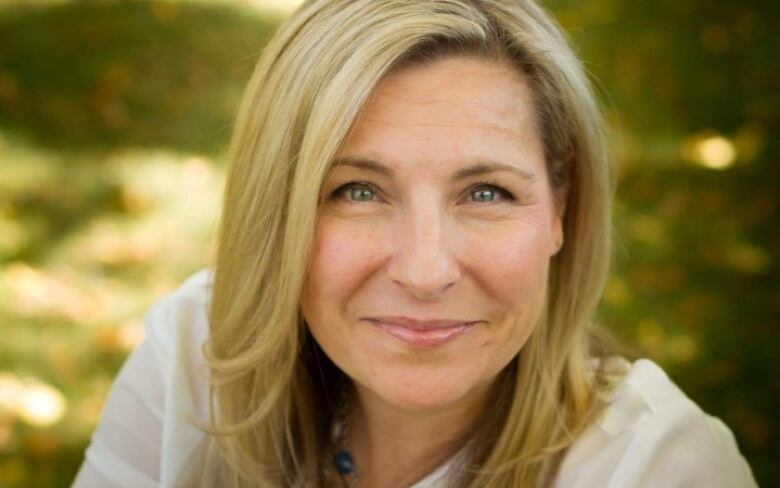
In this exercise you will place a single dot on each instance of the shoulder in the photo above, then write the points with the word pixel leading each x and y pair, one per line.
pixel 149 428
pixel 179 319
pixel 652 434
pixel 176 326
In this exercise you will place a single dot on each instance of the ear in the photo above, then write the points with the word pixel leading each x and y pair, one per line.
pixel 556 230
pixel 556 234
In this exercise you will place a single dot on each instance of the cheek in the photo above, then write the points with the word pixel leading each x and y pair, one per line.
pixel 343 255
pixel 511 264
pixel 512 268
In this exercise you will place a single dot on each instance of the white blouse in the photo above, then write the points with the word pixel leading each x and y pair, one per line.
pixel 650 435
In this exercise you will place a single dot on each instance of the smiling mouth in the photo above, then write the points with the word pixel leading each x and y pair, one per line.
pixel 423 336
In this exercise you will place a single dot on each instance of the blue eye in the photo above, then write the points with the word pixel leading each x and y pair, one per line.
pixel 362 191
pixel 485 189
pixel 359 191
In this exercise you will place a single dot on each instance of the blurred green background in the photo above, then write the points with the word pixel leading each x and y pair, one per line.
pixel 114 120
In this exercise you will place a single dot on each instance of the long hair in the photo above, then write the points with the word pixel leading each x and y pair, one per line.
pixel 270 384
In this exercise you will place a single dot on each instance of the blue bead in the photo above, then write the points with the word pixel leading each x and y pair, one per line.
pixel 344 462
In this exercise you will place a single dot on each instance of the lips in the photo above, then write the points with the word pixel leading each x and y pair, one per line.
pixel 422 334
pixel 421 325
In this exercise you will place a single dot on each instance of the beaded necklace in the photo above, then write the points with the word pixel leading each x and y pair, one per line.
pixel 339 464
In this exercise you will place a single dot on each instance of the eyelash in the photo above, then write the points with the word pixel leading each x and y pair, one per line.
pixel 482 184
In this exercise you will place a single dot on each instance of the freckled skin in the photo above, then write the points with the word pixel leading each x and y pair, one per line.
pixel 422 246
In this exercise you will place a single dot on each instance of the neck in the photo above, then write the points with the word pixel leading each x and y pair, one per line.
pixel 395 447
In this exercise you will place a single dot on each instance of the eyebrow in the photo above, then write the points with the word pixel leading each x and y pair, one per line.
pixel 463 173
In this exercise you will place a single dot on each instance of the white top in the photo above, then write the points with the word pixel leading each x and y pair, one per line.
pixel 650 435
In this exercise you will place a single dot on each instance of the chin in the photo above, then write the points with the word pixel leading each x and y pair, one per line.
pixel 417 396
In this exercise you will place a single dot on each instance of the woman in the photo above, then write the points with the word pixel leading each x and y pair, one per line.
pixel 415 236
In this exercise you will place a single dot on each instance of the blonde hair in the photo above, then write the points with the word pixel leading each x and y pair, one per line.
pixel 270 384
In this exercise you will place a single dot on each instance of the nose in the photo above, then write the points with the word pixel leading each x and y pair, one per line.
pixel 423 263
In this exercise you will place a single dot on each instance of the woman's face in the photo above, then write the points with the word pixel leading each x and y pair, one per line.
pixel 438 208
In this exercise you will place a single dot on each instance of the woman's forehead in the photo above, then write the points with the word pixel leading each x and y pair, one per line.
pixel 456 112
pixel 458 91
